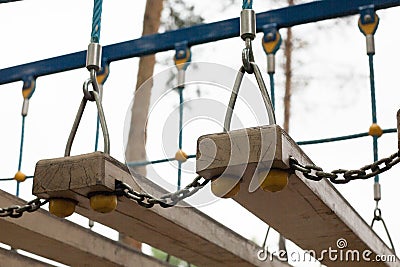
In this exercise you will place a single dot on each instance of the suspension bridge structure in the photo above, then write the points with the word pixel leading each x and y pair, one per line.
pixel 309 210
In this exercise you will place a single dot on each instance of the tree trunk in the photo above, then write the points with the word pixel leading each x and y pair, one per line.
pixel 136 147
pixel 288 76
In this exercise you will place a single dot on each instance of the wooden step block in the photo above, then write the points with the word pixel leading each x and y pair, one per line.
pixel 183 232
pixel 60 240
pixel 312 214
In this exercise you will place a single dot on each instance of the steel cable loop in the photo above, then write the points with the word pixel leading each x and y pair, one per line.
pixel 378 217
pixel 235 92
pixel 94 96
pixel 264 94
pixel 233 98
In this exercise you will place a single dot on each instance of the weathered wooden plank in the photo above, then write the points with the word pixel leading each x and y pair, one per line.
pixel 9 258
pixel 182 232
pixel 312 214
pixel 48 236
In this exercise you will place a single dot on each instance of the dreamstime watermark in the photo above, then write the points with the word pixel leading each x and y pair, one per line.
pixel 339 253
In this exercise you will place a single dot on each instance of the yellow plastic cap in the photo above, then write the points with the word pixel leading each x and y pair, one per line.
pixel 225 186
pixel 20 177
pixel 369 28
pixel 181 156
pixel 375 130
pixel 274 180
pixel 62 207
pixel 103 203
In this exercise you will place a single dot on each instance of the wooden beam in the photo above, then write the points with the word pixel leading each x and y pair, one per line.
pixel 60 240
pixel 183 232
pixel 11 258
pixel 312 214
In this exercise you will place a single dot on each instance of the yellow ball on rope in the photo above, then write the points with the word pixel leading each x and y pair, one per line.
pixel 20 176
pixel 375 130
pixel 181 156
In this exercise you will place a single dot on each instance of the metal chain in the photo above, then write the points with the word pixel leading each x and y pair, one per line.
pixel 17 211
pixel 342 176
pixel 165 201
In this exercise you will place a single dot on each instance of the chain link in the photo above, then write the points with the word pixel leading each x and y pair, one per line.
pixel 16 211
pixel 343 176
pixel 165 201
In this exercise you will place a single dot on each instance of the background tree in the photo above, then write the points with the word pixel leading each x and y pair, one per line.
pixel 136 147
pixel 170 15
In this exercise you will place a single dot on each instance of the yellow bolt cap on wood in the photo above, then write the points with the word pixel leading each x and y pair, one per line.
pixel 103 203
pixel 181 156
pixel 273 180
pixel 62 207
pixel 375 130
pixel 20 176
pixel 225 186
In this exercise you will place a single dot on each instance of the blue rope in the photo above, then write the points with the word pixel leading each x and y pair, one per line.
pixel 375 148
pixel 341 138
pixel 11 179
pixel 372 84
pixel 247 4
pixel 373 107
pixel 96 21
pixel 179 175
pixel 180 90
pixel 143 163
pixel 272 85
pixel 21 147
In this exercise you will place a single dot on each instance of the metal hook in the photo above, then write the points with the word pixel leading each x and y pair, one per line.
pixel 89 96
pixel 247 56
pixel 96 87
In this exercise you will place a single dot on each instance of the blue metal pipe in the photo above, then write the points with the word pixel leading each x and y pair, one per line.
pixel 8 1
pixel 200 34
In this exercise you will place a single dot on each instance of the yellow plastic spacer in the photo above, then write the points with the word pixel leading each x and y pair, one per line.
pixel 181 63
pixel 272 46
pixel 375 130
pixel 181 156
pixel 103 203
pixel 274 180
pixel 20 176
pixel 369 28
pixel 28 89
pixel 225 186
pixel 102 75
pixel 62 207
